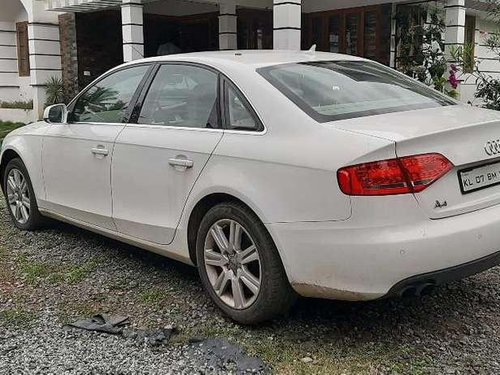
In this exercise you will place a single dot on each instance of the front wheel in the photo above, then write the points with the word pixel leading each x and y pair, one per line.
pixel 240 267
pixel 20 197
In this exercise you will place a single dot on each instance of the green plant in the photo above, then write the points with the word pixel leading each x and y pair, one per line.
pixel 54 91
pixel 420 44
pixel 469 62
pixel 17 104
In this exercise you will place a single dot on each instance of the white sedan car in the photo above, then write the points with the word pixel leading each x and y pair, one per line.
pixel 276 173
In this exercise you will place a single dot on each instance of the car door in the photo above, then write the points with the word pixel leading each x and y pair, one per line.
pixel 157 160
pixel 77 155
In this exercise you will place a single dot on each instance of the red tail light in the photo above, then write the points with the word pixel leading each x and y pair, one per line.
pixel 410 174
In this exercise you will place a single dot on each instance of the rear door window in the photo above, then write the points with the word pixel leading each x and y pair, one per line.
pixel 239 115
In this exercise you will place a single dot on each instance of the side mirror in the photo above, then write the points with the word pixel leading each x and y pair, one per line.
pixel 56 114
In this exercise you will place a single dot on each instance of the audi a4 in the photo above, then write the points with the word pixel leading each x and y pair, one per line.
pixel 276 173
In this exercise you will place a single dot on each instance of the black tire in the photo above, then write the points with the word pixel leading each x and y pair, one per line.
pixel 35 220
pixel 275 296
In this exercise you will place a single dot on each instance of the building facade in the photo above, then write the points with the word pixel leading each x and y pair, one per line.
pixel 77 40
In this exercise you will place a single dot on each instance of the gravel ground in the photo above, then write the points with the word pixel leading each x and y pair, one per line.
pixel 62 274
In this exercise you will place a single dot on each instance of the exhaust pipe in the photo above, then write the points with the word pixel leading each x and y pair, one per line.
pixel 423 289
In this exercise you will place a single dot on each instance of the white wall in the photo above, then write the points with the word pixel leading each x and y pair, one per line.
pixel 44 49
pixel 17 115
pixel 489 62
pixel 12 87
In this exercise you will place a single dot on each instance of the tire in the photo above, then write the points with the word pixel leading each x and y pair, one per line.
pixel 242 269
pixel 23 193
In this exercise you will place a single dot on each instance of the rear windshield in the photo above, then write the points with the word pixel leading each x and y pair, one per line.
pixel 336 90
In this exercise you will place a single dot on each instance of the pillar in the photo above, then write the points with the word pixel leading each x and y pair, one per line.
pixel 132 30
pixel 45 59
pixel 393 52
pixel 228 37
pixel 287 24
pixel 455 25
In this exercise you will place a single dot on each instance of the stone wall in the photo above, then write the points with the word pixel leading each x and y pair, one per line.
pixel 69 55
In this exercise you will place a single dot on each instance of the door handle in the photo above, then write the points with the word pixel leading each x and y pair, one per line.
pixel 184 163
pixel 100 151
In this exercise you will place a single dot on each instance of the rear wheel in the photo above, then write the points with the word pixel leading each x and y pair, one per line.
pixel 240 267
pixel 20 197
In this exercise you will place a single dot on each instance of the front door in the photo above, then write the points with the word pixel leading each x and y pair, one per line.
pixel 77 155
pixel 157 161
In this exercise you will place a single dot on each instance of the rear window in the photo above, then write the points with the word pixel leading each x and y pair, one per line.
pixel 337 90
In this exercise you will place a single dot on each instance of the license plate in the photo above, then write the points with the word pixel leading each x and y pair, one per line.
pixel 478 178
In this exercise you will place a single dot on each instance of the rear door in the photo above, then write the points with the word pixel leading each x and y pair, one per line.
pixel 77 156
pixel 157 160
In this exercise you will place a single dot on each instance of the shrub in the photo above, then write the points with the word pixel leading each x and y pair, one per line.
pixel 17 104
pixel 54 91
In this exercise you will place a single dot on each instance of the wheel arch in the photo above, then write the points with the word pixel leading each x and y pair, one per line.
pixel 8 155
pixel 201 208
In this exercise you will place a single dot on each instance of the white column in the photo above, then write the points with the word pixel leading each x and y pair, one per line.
pixel 9 86
pixel 132 30
pixel 455 25
pixel 45 59
pixel 287 24
pixel 228 34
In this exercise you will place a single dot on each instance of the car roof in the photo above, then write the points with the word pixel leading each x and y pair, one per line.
pixel 252 58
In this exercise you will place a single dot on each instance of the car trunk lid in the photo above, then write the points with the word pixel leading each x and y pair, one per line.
pixel 462 134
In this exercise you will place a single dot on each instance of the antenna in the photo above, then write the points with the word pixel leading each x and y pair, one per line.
pixel 312 50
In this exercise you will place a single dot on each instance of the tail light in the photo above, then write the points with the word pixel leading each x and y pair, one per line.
pixel 410 174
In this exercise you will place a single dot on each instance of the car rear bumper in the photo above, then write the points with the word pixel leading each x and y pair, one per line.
pixel 338 261
pixel 420 283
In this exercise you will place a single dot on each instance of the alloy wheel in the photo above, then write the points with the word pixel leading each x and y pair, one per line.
pixel 18 196
pixel 233 264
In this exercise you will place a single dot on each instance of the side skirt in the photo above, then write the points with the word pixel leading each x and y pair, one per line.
pixel 149 246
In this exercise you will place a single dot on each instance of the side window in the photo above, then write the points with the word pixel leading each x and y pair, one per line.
pixel 183 96
pixel 238 114
pixel 108 99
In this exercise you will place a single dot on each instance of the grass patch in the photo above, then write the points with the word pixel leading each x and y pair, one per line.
pixel 79 273
pixel 286 358
pixel 38 272
pixel 17 317
pixel 285 351
pixel 35 272
pixel 3 251
pixel 6 127
pixel 153 296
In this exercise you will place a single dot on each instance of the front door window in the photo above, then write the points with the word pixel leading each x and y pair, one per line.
pixel 108 100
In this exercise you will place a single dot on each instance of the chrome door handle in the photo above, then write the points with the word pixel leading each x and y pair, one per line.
pixel 185 163
pixel 100 151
